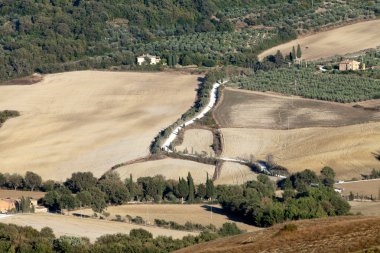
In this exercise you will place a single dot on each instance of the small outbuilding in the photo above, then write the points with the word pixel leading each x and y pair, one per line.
pixel 350 65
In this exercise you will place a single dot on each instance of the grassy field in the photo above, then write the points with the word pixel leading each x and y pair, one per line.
pixel 169 168
pixel 343 234
pixel 339 41
pixel 348 150
pixel 249 109
pixel 361 188
pixel 88 120
pixel 197 141
pixel 197 213
pixel 18 194
pixel 84 227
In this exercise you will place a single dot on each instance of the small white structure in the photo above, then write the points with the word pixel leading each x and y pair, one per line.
pixel 150 59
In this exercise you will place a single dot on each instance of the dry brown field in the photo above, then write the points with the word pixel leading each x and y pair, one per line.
pixel 84 227
pixel 197 141
pixel 340 41
pixel 197 213
pixel 19 194
pixel 235 174
pixel 337 235
pixel 169 168
pixel 88 120
pixel 367 208
pixel 348 150
pixel 361 188
pixel 249 109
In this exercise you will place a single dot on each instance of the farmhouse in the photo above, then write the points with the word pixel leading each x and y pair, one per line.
pixel 147 58
pixel 7 205
pixel 350 65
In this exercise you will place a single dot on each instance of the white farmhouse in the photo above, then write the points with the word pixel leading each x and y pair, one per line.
pixel 152 59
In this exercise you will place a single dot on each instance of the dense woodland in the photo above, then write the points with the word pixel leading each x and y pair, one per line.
pixel 60 35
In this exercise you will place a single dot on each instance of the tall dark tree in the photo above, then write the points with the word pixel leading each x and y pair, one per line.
pixel 210 188
pixel 81 181
pixel 299 51
pixel 190 182
pixel 183 189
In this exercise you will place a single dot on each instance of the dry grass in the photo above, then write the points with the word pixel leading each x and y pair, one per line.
pixel 169 168
pixel 344 234
pixel 251 109
pixel 339 41
pixel 19 194
pixel 88 120
pixel 84 227
pixel 366 208
pixel 361 188
pixel 197 140
pixel 348 150
pixel 197 213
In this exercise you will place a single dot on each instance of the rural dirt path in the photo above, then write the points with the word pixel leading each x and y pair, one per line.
pixel 210 105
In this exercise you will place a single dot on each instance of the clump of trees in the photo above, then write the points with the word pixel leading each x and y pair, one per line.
pixel 31 181
pixel 305 196
pixel 7 114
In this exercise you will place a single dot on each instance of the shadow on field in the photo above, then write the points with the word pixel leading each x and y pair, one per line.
pixel 377 155
pixel 219 210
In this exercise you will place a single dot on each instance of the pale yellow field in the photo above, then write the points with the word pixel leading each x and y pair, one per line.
pixel 197 213
pixel 348 150
pixel 365 188
pixel 235 173
pixel 169 168
pixel 84 227
pixel 339 41
pixel 367 208
pixel 197 140
pixel 88 120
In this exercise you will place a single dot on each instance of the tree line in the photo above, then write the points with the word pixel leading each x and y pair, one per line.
pixel 26 239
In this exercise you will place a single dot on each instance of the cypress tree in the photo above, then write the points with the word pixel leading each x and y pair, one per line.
pixel 293 54
pixel 183 188
pixel 210 189
pixel 299 52
pixel 190 183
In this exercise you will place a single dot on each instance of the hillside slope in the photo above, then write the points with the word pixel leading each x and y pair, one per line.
pixel 344 234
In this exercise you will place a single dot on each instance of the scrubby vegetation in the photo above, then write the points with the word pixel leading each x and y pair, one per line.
pixel 26 239
pixel 5 115
pixel 310 83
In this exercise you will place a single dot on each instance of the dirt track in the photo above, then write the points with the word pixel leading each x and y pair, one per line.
pixel 88 120
pixel 339 41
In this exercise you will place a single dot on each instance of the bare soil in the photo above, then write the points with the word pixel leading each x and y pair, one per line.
pixel 250 109
pixel 196 213
pixel 197 141
pixel 349 150
pixel 367 208
pixel 4 194
pixel 89 120
pixel 340 41
pixel 169 168
pixel 361 188
pixel 84 227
